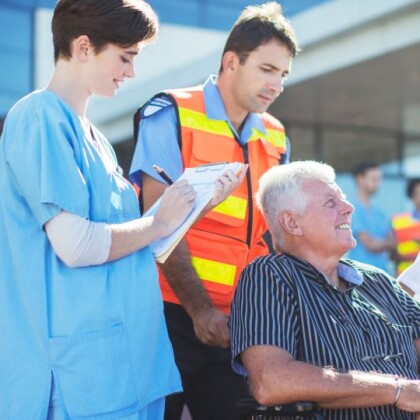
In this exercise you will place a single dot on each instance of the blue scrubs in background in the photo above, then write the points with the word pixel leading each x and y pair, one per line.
pixel 373 221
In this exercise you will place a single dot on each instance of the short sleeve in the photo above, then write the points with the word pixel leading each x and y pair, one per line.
pixel 264 312
pixel 40 153
pixel 286 157
pixel 157 144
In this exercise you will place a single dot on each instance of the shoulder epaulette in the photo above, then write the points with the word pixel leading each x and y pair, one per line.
pixel 154 105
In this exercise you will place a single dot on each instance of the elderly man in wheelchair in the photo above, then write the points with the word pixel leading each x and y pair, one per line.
pixel 310 325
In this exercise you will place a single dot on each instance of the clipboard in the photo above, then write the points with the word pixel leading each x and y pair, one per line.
pixel 203 179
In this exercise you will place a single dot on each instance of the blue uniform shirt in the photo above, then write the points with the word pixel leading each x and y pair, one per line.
pixel 158 136
pixel 99 330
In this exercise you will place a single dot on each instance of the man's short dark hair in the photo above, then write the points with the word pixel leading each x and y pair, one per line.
pixel 362 167
pixel 411 185
pixel 119 22
pixel 258 25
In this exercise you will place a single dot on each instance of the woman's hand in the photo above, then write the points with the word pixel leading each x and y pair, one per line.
pixel 226 184
pixel 177 202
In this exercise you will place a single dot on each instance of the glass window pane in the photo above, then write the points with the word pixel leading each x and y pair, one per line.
pixel 411 158
pixel 7 100
pixel 302 142
pixel 10 36
pixel 345 148
pixel 16 74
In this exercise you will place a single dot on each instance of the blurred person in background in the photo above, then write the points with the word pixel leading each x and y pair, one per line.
pixel 407 228
pixel 371 227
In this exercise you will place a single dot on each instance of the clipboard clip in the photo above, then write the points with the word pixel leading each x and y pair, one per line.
pixel 211 167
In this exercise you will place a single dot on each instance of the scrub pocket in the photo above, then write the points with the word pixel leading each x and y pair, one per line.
pixel 94 373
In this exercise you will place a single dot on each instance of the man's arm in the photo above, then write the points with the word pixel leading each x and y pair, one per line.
pixel 210 324
pixel 378 245
pixel 276 378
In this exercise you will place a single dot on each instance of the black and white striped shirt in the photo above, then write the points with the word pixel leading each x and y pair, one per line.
pixel 286 302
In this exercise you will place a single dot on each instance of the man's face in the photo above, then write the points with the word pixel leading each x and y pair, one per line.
pixel 326 221
pixel 416 196
pixel 370 181
pixel 259 81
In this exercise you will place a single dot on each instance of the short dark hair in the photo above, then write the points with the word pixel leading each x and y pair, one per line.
pixel 411 185
pixel 258 25
pixel 362 167
pixel 119 22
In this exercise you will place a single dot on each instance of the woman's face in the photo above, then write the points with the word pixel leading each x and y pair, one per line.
pixel 109 68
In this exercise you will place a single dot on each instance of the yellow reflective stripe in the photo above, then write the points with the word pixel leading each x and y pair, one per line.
pixel 213 271
pixel 409 247
pixel 402 222
pixel 199 121
pixel 275 137
pixel 233 206
pixel 404 265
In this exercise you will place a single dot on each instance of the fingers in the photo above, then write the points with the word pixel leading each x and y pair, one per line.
pixel 232 180
pixel 226 184
pixel 184 190
pixel 242 173
pixel 177 202
pixel 227 179
pixel 224 334
pixel 211 328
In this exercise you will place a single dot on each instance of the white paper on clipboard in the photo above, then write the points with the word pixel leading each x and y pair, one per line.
pixel 203 179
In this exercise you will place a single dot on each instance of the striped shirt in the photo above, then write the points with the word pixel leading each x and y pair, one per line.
pixel 371 326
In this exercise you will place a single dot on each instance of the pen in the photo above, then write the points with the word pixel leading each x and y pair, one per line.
pixel 163 175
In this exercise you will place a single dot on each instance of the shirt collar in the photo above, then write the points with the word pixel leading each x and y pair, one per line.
pixel 349 274
pixel 345 270
pixel 215 109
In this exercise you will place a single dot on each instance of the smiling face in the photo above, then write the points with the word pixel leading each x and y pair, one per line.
pixel 259 80
pixel 325 224
pixel 107 69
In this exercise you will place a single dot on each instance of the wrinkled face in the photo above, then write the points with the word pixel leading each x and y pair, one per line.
pixel 370 181
pixel 107 69
pixel 259 81
pixel 326 221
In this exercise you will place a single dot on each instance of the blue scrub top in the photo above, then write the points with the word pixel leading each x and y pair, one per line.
pixel 373 221
pixel 158 135
pixel 100 329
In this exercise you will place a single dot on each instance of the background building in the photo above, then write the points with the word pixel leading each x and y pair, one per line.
pixel 353 94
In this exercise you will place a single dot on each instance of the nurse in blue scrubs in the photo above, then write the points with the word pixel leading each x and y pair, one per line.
pixel 81 321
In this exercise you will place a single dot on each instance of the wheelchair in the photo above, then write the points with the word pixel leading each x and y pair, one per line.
pixel 250 409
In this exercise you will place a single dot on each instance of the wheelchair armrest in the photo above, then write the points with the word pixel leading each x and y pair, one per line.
pixel 249 404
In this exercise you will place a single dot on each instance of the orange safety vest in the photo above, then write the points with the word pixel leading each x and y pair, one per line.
pixel 407 232
pixel 224 241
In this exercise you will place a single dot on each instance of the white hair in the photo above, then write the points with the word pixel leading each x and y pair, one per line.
pixel 280 189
